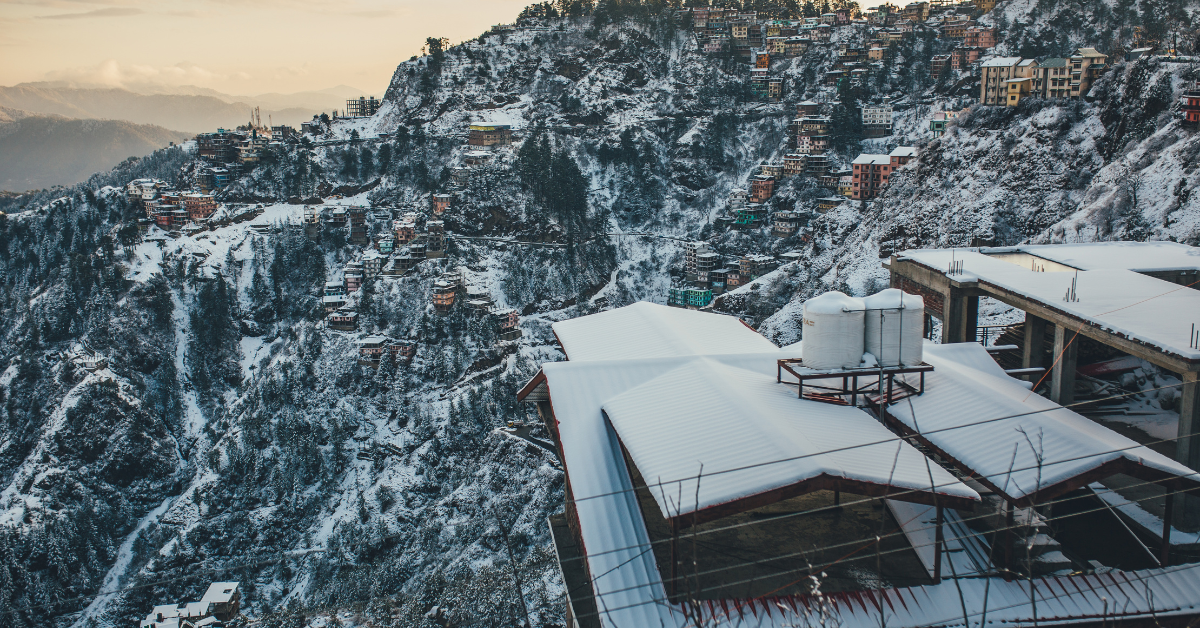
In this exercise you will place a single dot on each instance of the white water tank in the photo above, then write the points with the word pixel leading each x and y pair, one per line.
pixel 895 327
pixel 833 331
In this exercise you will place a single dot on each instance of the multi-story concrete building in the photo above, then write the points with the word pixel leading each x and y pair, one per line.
pixel 362 107
pixel 979 37
pixel 992 89
pixel 489 135
pixel 962 57
pixel 1052 79
pixel 938 65
pixel 1086 65
pixel 199 206
pixel 877 120
pixel 872 172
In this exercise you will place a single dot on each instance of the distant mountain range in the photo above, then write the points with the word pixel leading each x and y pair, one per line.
pixel 38 151
pixel 192 109
pixel 60 133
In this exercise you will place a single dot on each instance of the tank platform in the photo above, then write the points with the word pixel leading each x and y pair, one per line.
pixel 876 384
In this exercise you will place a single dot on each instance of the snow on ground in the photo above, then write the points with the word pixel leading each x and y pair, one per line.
pixel 253 350
pixel 15 502
pixel 115 575
pixel 193 418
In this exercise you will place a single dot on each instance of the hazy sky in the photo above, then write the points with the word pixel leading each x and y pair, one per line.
pixel 243 47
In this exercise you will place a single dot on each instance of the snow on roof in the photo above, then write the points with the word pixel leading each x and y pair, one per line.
pixel 1000 62
pixel 656 370
pixel 630 586
pixel 1041 445
pixel 1135 256
pixel 647 330
pixel 372 340
pixel 866 159
pixel 1147 310
pixel 903 151
pixel 711 418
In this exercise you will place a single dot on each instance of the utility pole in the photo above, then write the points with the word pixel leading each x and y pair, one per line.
pixel 513 561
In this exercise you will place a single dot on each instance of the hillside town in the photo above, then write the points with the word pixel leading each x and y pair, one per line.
pixel 633 313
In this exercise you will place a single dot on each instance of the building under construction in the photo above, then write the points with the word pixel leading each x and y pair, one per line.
pixel 362 107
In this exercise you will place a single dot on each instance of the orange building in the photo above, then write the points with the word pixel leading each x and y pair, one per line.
pixel 199 206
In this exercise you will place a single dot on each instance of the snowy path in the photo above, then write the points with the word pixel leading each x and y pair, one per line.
pixel 112 580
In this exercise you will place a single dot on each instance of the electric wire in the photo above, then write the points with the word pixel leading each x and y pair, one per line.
pixel 300 553
pixel 643 547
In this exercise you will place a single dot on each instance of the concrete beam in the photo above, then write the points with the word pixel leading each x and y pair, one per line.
pixel 1035 344
pixel 938 281
pixel 1062 377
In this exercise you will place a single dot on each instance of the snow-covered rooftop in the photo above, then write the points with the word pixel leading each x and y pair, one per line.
pixel 1147 310
pixel 1041 445
pixel 867 159
pixel 672 407
pixel 1136 256
pixel 725 422
pixel 1000 62
pixel 647 330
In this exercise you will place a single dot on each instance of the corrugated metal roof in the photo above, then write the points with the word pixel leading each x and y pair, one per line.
pixel 1114 596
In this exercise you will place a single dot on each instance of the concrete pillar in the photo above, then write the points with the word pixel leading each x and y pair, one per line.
pixel 1187 449
pixel 971 319
pixel 960 317
pixel 1035 344
pixel 1062 377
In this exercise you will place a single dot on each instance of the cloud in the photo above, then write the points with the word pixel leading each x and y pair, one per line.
pixel 114 74
pixel 109 12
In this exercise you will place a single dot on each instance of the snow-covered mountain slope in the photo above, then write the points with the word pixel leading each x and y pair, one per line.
pixel 1119 168
pixel 231 434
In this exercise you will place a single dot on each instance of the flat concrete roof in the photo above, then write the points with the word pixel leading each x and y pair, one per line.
pixel 1136 256
pixel 1151 312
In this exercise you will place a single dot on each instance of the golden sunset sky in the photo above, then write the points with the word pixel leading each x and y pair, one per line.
pixel 233 46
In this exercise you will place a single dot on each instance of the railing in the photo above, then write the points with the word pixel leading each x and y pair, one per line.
pixel 987 334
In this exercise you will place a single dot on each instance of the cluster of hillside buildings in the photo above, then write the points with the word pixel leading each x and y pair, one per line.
pixel 172 210
pixel 220 605
pixel 808 140
pixel 228 153
pixel 1006 81
pixel 707 273
pixel 757 38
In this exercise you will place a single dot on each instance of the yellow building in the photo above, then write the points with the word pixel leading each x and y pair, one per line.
pixel 1017 89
